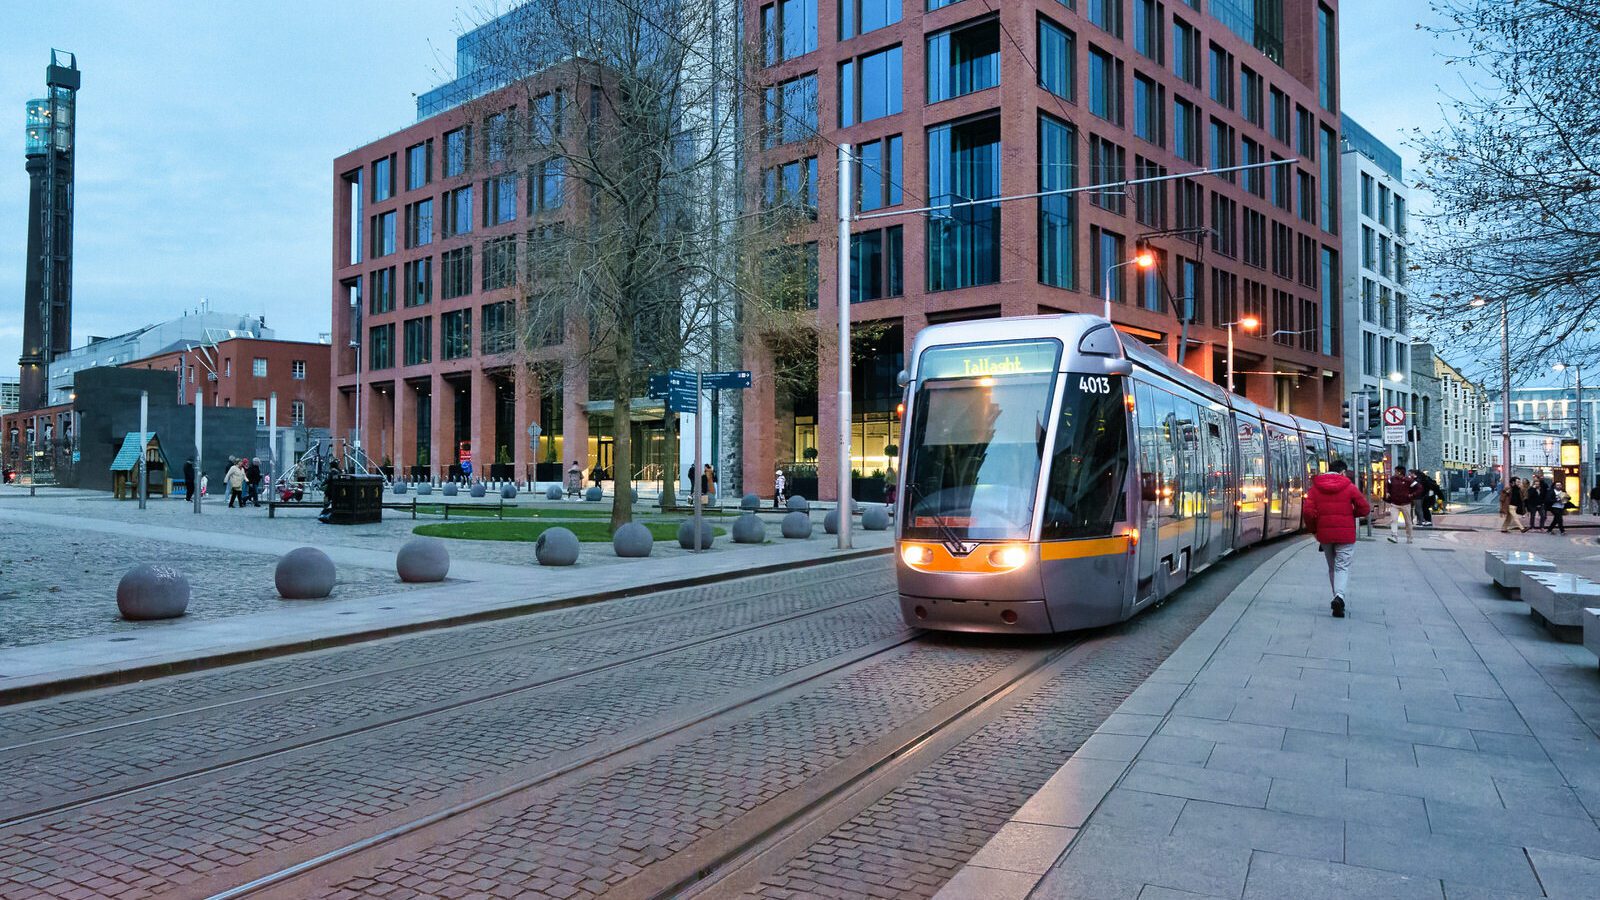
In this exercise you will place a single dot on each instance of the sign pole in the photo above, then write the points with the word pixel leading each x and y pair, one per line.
pixel 144 429
pixel 199 444
pixel 699 464
pixel 846 208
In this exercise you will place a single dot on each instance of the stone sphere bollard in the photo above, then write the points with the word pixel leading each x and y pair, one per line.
pixel 594 494
pixel 152 592
pixel 798 503
pixel 876 518
pixel 633 541
pixel 399 487
pixel 750 501
pixel 477 489
pixel 830 522
pixel 749 529
pixel 451 488
pixel 797 525
pixel 422 559
pixel 553 492
pixel 508 491
pixel 424 488
pixel 686 534
pixel 304 573
pixel 556 547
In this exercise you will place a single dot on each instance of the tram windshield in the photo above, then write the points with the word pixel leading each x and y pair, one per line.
pixel 976 439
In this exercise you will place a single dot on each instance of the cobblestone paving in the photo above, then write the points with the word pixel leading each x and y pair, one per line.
pixel 57 583
pixel 56 771
pixel 166 838
pixel 912 841
pixel 597 835
pixel 95 708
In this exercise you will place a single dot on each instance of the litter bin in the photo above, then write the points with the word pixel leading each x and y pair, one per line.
pixel 354 499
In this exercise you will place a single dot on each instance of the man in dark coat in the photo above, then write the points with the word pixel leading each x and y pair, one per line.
pixel 252 476
pixel 188 479
pixel 1401 489
pixel 1429 492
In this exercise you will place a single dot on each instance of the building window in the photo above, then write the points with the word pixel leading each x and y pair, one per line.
pixel 1278 176
pixel 419 223
pixel 1222 76
pixel 458 211
pixel 419 341
pixel 547 185
pixel 1366 195
pixel 297 412
pixel 380 347
pixel 788 29
pixel 873 93
pixel 382 291
pixel 963 60
pixel 297 370
pixel 1306 196
pixel 1107 166
pixel 1186 131
pixel 1190 205
pixel 499 263
pixel 861 16
pixel 1305 133
pixel 547 115
pixel 1150 197
pixel 876 259
pixel 1106 15
pixel 1330 180
pixel 1330 302
pixel 794 184
pixel 227 368
pixel 455 273
pixel 1224 225
pixel 963 242
pixel 1107 248
pixel 1253 180
pixel 456 144
pixel 880 174
pixel 500 200
pixel 1327 39
pixel 1149 283
pixel 383 179
pixel 260 407
pixel 1254 239
pixel 419 282
pixel 496 137
pixel 455 334
pixel 1056 55
pixel 1149 110
pixel 419 165
pixel 1278 114
pixel 258 367
pixel 1057 213
pixel 1190 299
pixel 1149 35
pixel 499 327
pixel 1186 51
pixel 789 112
pixel 1222 148
pixel 1250 99
pixel 1105 85
pixel 383 234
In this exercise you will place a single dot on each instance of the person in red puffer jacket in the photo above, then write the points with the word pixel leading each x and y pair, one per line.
pixel 1331 509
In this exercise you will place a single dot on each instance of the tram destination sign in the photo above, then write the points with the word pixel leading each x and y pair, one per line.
pixel 980 360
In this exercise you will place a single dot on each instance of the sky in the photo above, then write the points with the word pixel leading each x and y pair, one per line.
pixel 207 133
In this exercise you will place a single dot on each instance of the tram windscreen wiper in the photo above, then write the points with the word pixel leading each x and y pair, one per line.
pixel 946 533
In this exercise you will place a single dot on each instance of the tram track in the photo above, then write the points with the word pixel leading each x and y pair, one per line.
pixel 537 684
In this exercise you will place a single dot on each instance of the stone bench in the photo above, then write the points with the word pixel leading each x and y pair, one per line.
pixel 1557 601
pixel 1591 630
pixel 1505 567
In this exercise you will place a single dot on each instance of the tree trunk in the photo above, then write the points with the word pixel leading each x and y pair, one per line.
pixel 622 433
pixel 669 462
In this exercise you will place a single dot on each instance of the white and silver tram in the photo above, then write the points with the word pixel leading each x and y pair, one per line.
pixel 1057 476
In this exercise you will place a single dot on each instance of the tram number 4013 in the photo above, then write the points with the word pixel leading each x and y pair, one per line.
pixel 1094 384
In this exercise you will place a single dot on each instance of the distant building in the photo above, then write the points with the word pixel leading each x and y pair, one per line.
pixel 10 391
pixel 1376 331
pixel 1533 449
pixel 51 155
pixel 1452 420
pixel 198 328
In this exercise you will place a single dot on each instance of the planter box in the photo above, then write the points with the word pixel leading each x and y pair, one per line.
pixel 501 471
pixel 868 490
pixel 419 473
pixel 547 471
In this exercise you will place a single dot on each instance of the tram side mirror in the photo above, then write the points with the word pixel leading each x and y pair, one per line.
pixel 1147 486
pixel 904 378
pixel 1116 366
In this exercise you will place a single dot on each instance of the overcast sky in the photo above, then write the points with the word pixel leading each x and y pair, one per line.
pixel 207 133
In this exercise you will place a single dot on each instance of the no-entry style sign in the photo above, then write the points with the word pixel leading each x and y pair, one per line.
pixel 1394 415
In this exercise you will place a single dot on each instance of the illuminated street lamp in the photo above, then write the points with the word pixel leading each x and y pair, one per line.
pixel 1248 323
pixel 1144 260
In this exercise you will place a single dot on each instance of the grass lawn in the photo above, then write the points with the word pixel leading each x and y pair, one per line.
pixel 564 511
pixel 528 532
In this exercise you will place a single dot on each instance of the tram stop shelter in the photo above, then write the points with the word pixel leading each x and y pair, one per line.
pixel 124 477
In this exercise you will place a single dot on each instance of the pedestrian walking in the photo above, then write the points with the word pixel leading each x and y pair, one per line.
pixel 574 480
pixel 1558 511
pixel 1399 492
pixel 1511 506
pixel 188 479
pixel 705 483
pixel 1594 499
pixel 711 482
pixel 235 481
pixel 1537 498
pixel 252 474
pixel 1428 492
pixel 1331 509
pixel 778 483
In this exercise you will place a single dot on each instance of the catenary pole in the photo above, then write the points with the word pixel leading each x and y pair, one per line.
pixel 273 465
pixel 699 461
pixel 846 204
pixel 199 448
pixel 144 431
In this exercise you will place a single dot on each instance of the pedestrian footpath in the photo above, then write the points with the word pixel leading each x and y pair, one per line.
pixel 1435 743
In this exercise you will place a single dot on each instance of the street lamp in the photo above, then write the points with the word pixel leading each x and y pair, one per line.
pixel 1577 373
pixel 1144 260
pixel 1248 323
pixel 1505 383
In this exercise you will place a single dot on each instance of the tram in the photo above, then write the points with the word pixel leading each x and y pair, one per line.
pixel 1056 476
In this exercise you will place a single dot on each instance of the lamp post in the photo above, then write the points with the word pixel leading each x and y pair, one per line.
pixel 1577 373
pixel 1248 323
pixel 1505 384
pixel 1144 260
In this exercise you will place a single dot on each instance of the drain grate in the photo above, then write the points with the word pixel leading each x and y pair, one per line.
pixel 122 639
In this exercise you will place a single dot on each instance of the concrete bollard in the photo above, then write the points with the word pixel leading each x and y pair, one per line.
pixel 152 592
pixel 797 526
pixel 798 503
pixel 633 541
pixel 686 535
pixel 304 573
pixel 749 529
pixel 422 559
pixel 556 547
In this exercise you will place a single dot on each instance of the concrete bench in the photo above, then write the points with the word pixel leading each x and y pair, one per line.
pixel 1591 630
pixel 1506 567
pixel 1557 600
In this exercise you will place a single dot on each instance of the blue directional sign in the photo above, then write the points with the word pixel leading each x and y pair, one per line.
pixel 683 400
pixel 717 381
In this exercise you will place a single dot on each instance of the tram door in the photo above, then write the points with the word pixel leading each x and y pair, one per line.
pixel 1147 428
pixel 1219 501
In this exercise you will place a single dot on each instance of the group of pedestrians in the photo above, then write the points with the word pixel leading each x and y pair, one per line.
pixel 1410 496
pixel 244 482
pixel 1540 499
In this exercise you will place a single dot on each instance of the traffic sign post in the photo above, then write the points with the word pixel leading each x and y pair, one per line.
pixel 683 392
pixel 1394 415
pixel 1394 434
pixel 1394 427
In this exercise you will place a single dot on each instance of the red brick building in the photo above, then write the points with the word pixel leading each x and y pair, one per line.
pixel 248 371
pixel 972 99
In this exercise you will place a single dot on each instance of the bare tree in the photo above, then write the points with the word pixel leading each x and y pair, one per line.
pixel 641 244
pixel 1515 177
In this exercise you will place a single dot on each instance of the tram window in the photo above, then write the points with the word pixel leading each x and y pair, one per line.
pixel 1167 446
pixel 1148 419
pixel 1089 466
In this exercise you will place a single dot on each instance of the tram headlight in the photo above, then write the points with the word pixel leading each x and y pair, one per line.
pixel 1010 556
pixel 916 555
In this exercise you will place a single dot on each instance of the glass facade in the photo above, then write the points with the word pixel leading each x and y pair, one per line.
pixel 455 152
pixel 1056 55
pixel 499 327
pixel 1057 214
pixel 1149 108
pixel 963 60
pixel 380 347
pixel 1105 85
pixel 419 165
pixel 861 16
pixel 876 262
pixel 880 169
pixel 875 93
pixel 789 112
pixel 788 29
pixel 419 341
pixel 455 334
pixel 1327 44
pixel 963 242
pixel 1259 22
